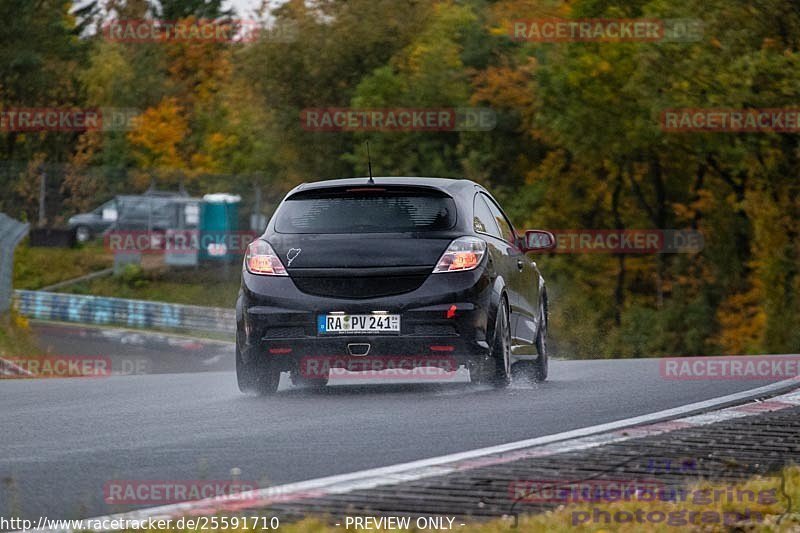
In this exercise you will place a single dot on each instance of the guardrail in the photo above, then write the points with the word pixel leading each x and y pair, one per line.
pixel 101 310
pixel 11 233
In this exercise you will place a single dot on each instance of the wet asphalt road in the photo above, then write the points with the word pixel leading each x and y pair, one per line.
pixel 181 417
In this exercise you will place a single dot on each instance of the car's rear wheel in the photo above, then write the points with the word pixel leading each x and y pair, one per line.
pixel 539 372
pixel 244 377
pixel 536 371
pixel 256 375
pixel 495 370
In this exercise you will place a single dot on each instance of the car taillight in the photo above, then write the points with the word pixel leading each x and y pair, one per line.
pixel 464 253
pixel 261 259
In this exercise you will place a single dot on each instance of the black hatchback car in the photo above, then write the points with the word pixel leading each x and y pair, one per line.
pixel 425 271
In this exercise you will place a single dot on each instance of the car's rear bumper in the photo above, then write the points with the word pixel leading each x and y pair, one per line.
pixel 380 352
pixel 445 318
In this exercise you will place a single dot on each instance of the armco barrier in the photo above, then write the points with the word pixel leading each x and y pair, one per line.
pixel 11 232
pixel 101 310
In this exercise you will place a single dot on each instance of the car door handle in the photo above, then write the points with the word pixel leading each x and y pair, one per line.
pixel 520 264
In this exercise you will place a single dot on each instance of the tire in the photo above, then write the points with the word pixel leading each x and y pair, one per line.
pixel 83 234
pixel 244 375
pixel 540 366
pixel 495 370
pixel 536 371
pixel 259 376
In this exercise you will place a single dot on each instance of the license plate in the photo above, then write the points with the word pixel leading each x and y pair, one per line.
pixel 358 324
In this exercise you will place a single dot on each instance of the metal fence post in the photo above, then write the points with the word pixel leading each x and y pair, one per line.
pixel 11 233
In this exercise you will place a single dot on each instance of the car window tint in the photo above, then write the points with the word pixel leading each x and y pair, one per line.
pixel 163 209
pixel 502 222
pixel 137 209
pixel 372 213
pixel 483 221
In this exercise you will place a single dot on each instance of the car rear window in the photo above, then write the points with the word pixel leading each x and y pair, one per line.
pixel 366 211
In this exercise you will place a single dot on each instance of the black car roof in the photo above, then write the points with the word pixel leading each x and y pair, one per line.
pixel 449 185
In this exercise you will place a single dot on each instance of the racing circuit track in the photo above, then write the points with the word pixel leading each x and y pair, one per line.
pixel 63 439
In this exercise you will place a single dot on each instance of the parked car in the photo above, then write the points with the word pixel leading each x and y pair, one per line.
pixel 88 225
pixel 146 213
pixel 408 267
pixel 153 210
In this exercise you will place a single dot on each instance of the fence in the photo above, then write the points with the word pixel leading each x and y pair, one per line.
pixel 102 310
pixel 11 233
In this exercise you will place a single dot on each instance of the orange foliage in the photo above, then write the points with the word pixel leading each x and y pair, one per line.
pixel 157 136
pixel 742 321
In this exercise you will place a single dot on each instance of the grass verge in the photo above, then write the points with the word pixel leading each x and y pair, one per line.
pixel 35 268
pixel 211 286
pixel 16 339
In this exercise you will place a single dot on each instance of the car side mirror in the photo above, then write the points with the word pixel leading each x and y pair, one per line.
pixel 536 240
